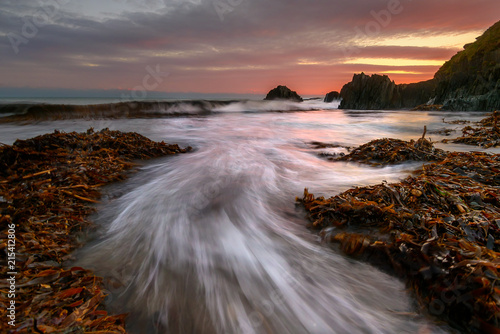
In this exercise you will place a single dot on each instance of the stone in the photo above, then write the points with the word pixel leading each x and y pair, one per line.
pixel 330 97
pixel 283 93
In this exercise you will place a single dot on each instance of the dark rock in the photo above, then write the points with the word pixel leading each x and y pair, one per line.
pixel 283 93
pixel 379 92
pixel 331 96
pixel 470 80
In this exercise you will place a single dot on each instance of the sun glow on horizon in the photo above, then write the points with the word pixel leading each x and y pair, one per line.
pixel 400 72
pixel 451 41
pixel 396 62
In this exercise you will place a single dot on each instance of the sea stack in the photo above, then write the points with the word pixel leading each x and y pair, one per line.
pixel 330 97
pixel 283 93
pixel 377 92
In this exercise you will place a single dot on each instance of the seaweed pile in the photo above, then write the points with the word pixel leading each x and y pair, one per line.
pixel 440 229
pixel 389 150
pixel 487 135
pixel 48 186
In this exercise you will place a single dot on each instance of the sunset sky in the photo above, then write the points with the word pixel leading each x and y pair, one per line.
pixel 230 46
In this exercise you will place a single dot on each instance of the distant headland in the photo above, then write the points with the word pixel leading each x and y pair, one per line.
pixel 469 81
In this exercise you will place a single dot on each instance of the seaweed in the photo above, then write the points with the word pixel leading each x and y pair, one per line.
pixel 48 187
pixel 390 150
pixel 487 135
pixel 438 228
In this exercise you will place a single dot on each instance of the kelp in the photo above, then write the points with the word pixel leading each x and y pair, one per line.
pixel 486 135
pixel 439 228
pixel 48 186
pixel 390 150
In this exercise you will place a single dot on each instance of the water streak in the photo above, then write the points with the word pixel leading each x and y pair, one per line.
pixel 211 242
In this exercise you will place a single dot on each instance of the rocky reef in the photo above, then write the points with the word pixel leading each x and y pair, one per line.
pixel 470 80
pixel 283 93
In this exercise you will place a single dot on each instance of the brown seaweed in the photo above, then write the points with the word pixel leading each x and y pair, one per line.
pixel 389 150
pixel 440 229
pixel 487 135
pixel 48 186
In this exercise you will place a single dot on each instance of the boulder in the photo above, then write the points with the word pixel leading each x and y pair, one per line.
pixel 283 93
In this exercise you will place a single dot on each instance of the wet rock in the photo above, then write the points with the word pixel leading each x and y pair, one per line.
pixel 428 107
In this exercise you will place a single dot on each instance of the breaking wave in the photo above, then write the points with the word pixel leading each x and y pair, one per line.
pixel 150 109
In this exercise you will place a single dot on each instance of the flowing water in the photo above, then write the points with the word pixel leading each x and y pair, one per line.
pixel 212 242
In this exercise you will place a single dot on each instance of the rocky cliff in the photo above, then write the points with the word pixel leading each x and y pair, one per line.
pixel 379 92
pixel 283 93
pixel 470 80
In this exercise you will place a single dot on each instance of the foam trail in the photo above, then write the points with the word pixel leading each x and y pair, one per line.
pixel 209 243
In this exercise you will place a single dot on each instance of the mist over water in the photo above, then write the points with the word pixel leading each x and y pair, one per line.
pixel 212 242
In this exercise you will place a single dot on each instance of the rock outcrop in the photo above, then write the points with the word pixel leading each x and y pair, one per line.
pixel 283 93
pixel 330 97
pixel 379 92
pixel 470 80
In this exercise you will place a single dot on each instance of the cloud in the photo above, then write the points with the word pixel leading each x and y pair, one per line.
pixel 109 44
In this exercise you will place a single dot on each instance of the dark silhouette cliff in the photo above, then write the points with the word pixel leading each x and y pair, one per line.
pixel 379 92
pixel 470 80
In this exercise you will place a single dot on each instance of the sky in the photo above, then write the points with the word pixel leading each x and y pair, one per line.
pixel 229 46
